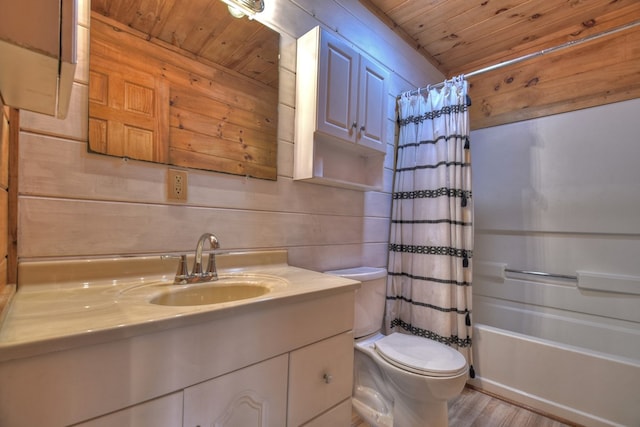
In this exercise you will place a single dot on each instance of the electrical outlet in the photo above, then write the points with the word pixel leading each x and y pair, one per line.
pixel 177 186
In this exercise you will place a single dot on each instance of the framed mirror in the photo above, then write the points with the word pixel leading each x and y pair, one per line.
pixel 184 83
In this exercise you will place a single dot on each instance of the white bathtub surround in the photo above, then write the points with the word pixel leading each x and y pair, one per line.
pixel 560 195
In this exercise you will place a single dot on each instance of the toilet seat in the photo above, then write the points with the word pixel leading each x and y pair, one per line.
pixel 421 355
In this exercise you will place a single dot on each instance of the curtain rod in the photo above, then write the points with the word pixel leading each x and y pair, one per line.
pixel 540 53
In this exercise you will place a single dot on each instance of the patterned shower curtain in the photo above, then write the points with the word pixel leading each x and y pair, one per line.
pixel 431 241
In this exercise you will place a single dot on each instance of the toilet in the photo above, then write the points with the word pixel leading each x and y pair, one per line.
pixel 400 380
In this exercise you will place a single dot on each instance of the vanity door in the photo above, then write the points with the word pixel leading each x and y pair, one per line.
pixel 255 396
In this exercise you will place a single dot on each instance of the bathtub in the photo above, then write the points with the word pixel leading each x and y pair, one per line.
pixel 558 349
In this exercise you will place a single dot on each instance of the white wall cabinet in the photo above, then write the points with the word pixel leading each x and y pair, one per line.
pixel 351 93
pixel 341 113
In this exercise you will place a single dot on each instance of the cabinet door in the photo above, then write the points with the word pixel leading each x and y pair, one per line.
pixel 255 396
pixel 372 106
pixel 337 88
pixel 320 376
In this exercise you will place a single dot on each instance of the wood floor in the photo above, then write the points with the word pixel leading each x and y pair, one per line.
pixel 475 409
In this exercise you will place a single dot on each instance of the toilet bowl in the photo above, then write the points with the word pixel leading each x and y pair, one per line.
pixel 400 380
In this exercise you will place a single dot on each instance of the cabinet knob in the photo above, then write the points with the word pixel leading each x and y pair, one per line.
pixel 361 128
pixel 354 125
pixel 327 378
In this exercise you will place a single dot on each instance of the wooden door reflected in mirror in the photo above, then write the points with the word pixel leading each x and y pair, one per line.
pixel 184 83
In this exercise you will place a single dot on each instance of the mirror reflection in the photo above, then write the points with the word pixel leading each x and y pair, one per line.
pixel 183 83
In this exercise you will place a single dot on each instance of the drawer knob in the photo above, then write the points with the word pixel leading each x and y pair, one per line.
pixel 327 378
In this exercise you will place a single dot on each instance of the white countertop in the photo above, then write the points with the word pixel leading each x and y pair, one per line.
pixel 67 304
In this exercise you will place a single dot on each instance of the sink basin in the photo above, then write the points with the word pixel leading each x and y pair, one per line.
pixel 228 288
pixel 210 294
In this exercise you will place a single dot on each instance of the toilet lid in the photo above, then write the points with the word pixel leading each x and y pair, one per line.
pixel 421 355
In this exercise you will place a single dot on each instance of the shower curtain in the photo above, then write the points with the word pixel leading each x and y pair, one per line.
pixel 431 239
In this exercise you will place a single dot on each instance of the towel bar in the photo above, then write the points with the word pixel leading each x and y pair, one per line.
pixel 540 273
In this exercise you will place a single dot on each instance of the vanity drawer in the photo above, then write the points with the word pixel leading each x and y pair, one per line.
pixel 337 416
pixel 164 411
pixel 320 376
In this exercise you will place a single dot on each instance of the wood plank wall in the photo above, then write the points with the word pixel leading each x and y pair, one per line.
pixel 74 203
pixel 5 136
pixel 599 72
pixel 148 102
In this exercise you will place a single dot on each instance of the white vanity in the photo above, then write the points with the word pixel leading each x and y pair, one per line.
pixel 79 347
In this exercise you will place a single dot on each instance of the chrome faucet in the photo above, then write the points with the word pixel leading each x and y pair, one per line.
pixel 197 275
pixel 211 272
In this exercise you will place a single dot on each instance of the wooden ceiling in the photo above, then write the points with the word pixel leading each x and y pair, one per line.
pixel 202 29
pixel 456 36
pixel 460 36
pixel 463 36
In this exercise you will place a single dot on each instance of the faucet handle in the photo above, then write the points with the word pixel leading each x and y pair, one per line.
pixel 212 271
pixel 182 274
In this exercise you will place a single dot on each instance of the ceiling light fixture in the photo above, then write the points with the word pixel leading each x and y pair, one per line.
pixel 240 8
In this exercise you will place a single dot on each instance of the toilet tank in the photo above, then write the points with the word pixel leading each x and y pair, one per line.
pixel 370 298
